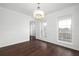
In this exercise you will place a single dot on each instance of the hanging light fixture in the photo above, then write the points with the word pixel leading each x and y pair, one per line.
pixel 38 14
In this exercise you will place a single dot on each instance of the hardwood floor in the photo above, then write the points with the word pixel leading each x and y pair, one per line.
pixel 37 48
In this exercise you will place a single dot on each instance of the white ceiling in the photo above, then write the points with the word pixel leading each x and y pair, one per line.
pixel 28 8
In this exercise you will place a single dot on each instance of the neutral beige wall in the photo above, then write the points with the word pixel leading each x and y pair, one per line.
pixel 14 27
pixel 51 28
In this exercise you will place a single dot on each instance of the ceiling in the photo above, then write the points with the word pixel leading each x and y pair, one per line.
pixel 28 8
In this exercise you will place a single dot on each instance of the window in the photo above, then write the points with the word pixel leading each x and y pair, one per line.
pixel 64 29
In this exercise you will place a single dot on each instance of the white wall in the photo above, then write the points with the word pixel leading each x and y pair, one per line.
pixel 14 27
pixel 52 26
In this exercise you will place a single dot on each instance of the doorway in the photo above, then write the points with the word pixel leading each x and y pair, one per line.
pixel 32 30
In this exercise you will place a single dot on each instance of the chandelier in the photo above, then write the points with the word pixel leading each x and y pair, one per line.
pixel 38 14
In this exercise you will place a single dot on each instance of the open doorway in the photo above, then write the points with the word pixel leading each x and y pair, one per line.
pixel 32 30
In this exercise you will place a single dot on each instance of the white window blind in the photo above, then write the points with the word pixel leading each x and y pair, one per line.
pixel 64 29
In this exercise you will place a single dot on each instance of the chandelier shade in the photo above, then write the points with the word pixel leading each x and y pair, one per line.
pixel 38 14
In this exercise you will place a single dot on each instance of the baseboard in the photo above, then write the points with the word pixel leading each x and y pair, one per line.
pixel 58 45
pixel 7 46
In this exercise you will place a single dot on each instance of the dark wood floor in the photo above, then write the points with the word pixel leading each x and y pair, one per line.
pixel 37 48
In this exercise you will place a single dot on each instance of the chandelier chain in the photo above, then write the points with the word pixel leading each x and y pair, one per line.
pixel 38 6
